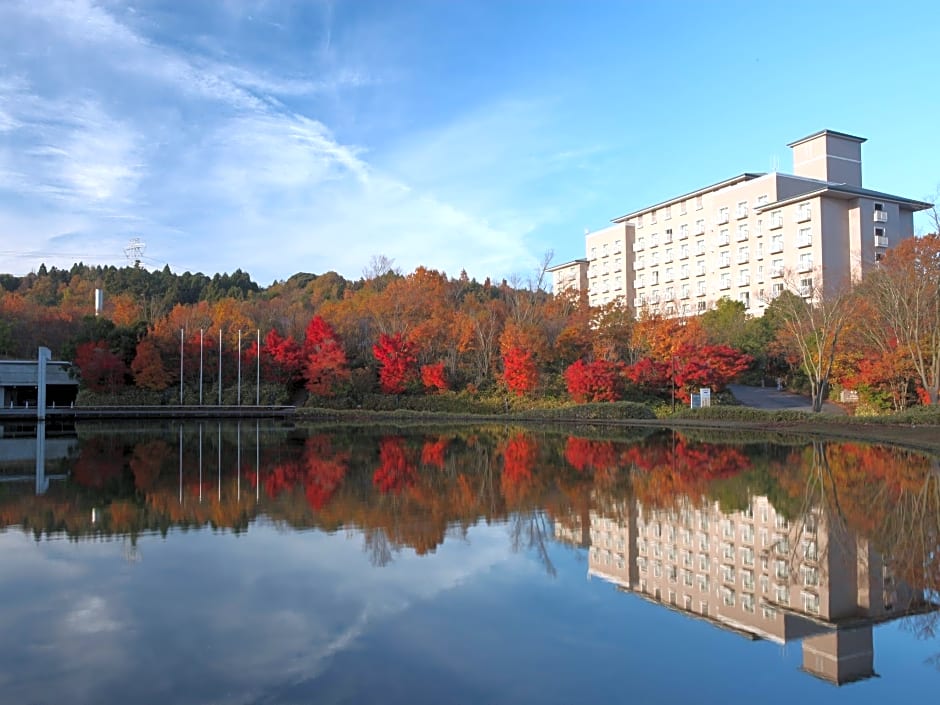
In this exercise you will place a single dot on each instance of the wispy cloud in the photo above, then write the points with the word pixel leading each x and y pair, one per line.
pixel 210 162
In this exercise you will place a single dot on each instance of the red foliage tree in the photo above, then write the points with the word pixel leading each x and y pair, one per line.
pixel 712 366
pixel 282 359
pixel 101 369
pixel 519 371
pixel 649 375
pixel 397 363
pixel 600 380
pixel 326 367
pixel 148 368
pixel 432 376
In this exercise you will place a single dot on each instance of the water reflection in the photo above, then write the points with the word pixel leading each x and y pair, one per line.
pixel 787 541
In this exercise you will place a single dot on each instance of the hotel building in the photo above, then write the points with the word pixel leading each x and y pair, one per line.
pixel 747 238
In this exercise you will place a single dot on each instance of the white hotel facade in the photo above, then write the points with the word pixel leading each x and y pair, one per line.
pixel 748 237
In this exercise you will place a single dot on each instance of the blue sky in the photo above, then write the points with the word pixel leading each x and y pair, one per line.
pixel 279 136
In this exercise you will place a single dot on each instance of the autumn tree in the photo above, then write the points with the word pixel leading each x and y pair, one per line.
pixel 811 324
pixel 433 376
pixel 101 369
pixel 148 368
pixel 325 367
pixel 905 292
pixel 520 373
pixel 397 363
pixel 712 366
pixel 599 380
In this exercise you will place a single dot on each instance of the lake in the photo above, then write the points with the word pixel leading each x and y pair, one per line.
pixel 262 562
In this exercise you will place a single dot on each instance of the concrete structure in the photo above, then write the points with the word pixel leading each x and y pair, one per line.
pixel 749 237
pixel 19 383
pixel 753 573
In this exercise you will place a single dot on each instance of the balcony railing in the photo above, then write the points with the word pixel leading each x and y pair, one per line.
pixel 803 215
pixel 776 223
pixel 776 248
pixel 722 218
pixel 881 240
pixel 881 216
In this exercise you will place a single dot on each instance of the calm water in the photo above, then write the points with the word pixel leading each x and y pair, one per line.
pixel 262 563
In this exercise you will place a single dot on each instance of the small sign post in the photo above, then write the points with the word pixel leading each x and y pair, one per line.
pixel 705 394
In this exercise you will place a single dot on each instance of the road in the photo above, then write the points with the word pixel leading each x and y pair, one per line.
pixel 770 398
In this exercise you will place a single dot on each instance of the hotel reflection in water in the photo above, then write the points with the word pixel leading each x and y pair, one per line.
pixel 754 573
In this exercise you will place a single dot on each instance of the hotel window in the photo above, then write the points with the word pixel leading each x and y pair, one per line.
pixel 760 274
pixel 747 602
pixel 806 261
pixel 618 264
pixel 700 288
pixel 747 556
pixel 722 215
pixel 725 281
pixel 699 247
pixel 803 212
pixel 777 290
pixel 640 281
pixel 668 237
pixel 654 259
pixel 727 597
pixel 727 574
pixel 698 203
pixel 593 253
pixel 699 227
pixel 742 232
pixel 668 273
pixel 683 250
pixel 654 239
pixel 668 254
pixel 744 278
pixel 685 291
pixel 604 249
pixel 684 271
pixel 682 208
pixel 617 244
pixel 742 209
pixel 654 280
pixel 776 268
pixel 760 250
pixel 652 217
pixel 776 244
pixel 700 268
pixel 725 259
pixel 640 263
pixel 760 227
pixel 776 219
pixel 742 255
pixel 810 576
pixel 811 602
pixel 761 200
pixel 667 295
pixel 804 237
pixel 638 245
pixel 667 212
pixel 700 306
pixel 806 288
pixel 745 298
pixel 724 237
pixel 683 231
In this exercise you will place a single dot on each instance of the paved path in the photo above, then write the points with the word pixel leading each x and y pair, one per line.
pixel 770 398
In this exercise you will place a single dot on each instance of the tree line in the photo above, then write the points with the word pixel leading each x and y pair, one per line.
pixel 328 338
